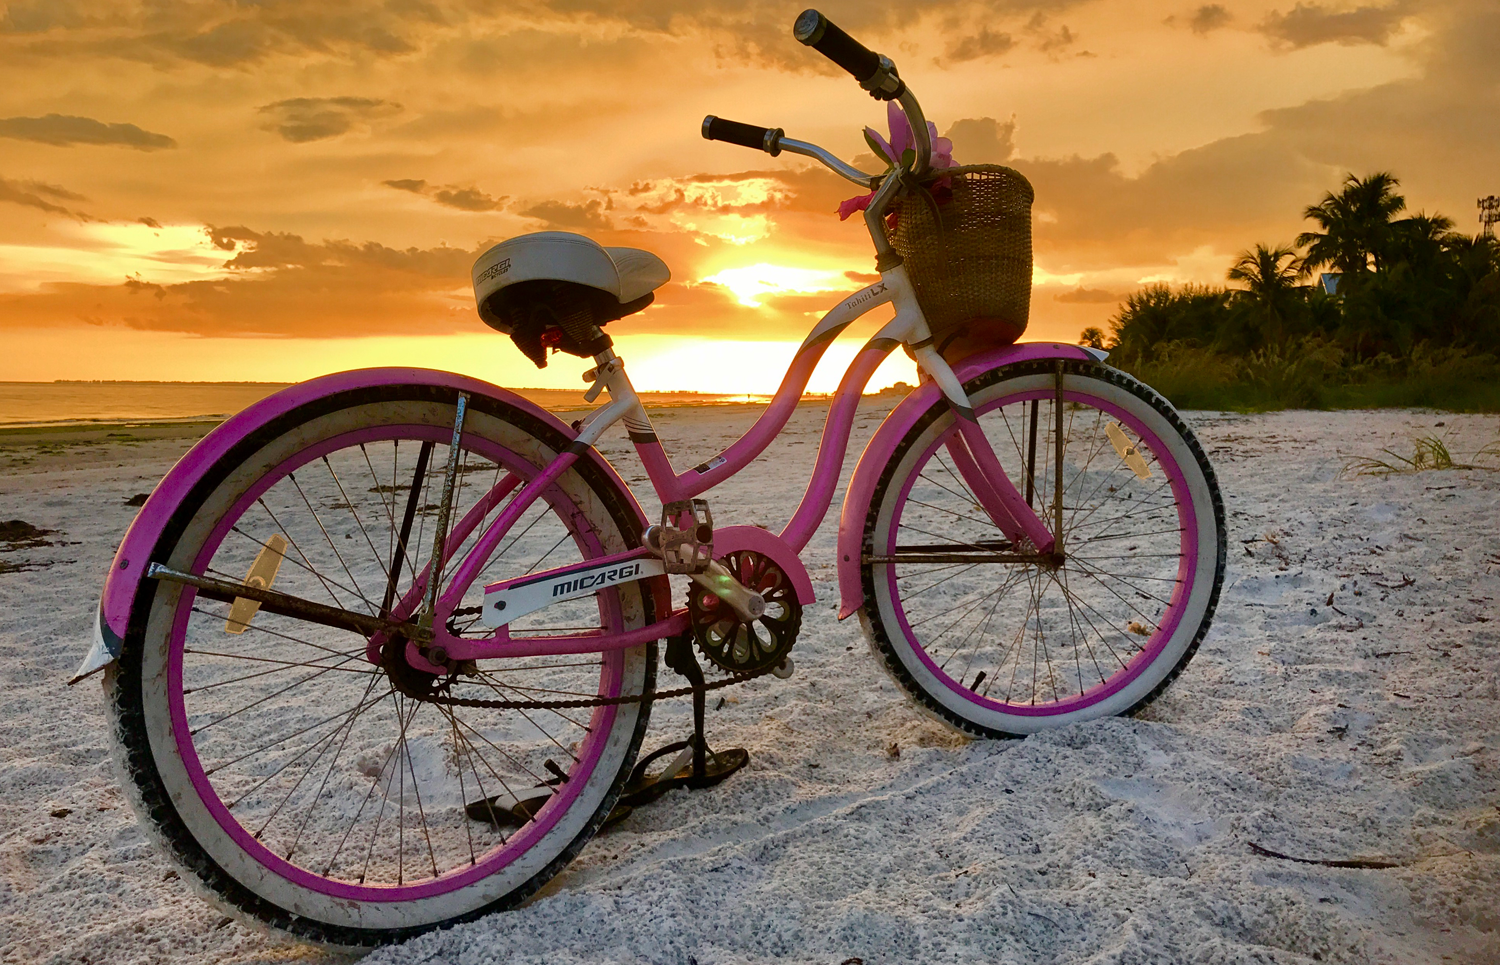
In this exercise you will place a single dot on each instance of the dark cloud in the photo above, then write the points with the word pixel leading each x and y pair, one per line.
pixel 42 196
pixel 1208 18
pixel 985 43
pixel 65 130
pixel 1088 296
pixel 1308 24
pixel 148 222
pixel 982 140
pixel 414 185
pixel 303 119
pixel 564 216
pixel 452 196
pixel 466 199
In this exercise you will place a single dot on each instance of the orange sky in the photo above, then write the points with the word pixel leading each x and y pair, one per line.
pixel 192 189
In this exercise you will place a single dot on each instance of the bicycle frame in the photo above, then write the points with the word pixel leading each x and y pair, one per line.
pixel 972 454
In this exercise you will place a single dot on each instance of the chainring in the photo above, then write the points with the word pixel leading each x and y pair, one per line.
pixel 733 643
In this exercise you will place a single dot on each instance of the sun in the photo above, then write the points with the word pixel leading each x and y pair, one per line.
pixel 753 282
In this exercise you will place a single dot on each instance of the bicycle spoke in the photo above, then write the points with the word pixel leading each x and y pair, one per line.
pixel 344 726
pixel 354 513
pixel 292 478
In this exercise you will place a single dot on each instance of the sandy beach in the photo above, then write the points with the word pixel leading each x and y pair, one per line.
pixel 1321 785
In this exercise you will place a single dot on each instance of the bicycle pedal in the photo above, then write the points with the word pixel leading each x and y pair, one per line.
pixel 685 538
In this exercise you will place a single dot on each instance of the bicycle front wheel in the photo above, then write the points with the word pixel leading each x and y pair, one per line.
pixel 997 640
pixel 343 799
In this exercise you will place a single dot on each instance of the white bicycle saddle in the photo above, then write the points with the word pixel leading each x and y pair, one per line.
pixel 628 274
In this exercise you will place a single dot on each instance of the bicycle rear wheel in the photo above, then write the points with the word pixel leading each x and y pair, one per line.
pixel 298 782
pixel 997 640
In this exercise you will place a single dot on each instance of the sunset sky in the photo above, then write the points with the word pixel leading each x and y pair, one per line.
pixel 212 190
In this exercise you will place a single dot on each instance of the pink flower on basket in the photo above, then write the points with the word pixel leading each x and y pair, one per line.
pixel 902 140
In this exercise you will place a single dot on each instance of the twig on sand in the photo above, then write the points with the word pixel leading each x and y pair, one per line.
pixel 1371 863
pixel 1405 582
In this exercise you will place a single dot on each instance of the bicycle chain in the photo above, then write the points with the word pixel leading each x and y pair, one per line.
pixel 482 703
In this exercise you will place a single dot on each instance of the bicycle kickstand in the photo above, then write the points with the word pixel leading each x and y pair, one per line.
pixel 694 766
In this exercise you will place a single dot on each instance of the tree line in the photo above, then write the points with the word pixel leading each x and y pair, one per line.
pixel 1411 301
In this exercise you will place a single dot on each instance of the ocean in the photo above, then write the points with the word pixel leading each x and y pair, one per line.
pixel 87 403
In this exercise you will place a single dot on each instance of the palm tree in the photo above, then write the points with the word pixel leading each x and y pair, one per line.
pixel 1474 278
pixel 1356 225
pixel 1270 277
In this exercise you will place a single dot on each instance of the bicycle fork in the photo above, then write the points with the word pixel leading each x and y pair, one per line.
pixel 978 465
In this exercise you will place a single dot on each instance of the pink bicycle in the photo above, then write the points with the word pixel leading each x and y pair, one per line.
pixel 381 648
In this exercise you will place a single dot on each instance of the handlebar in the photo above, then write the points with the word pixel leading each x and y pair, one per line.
pixel 766 139
pixel 822 35
pixel 876 74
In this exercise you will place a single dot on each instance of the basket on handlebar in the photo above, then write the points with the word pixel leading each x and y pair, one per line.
pixel 967 249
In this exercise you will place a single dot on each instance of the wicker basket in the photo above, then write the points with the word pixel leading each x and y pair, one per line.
pixel 967 249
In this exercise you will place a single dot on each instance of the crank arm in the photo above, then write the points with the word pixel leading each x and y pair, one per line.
pixel 717 580
pixel 290 606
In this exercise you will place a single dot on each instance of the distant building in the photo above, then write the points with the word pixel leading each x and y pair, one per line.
pixel 1330 281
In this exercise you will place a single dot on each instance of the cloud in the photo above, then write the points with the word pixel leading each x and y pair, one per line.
pixel 280 285
pixel 1208 18
pixel 1088 296
pixel 562 215
pixel 245 35
pixel 1306 25
pixel 37 16
pixel 985 43
pixel 240 35
pixel 452 196
pixel 982 140
pixel 35 194
pixel 1435 130
pixel 1050 42
pixel 303 119
pixel 65 130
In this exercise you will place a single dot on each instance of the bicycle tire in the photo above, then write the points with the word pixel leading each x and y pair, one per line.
pixel 174 807
pixel 924 666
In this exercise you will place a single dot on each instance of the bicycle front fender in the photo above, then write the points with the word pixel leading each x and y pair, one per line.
pixel 882 448
pixel 123 584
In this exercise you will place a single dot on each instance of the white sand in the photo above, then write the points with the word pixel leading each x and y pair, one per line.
pixel 1367 731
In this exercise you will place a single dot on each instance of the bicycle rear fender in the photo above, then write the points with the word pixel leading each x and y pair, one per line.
pixel 882 447
pixel 123 583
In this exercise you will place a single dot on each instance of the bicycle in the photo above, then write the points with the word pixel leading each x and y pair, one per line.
pixel 381 649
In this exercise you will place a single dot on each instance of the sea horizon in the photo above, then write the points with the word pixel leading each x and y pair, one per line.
pixel 88 402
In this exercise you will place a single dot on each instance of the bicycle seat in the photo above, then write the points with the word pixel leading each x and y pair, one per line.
pixel 557 289
pixel 628 274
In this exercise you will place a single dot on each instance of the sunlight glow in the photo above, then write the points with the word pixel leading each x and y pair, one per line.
pixel 108 253
pixel 1041 276
pixel 752 282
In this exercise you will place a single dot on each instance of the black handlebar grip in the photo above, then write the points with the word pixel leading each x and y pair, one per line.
pixel 766 139
pixel 822 35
